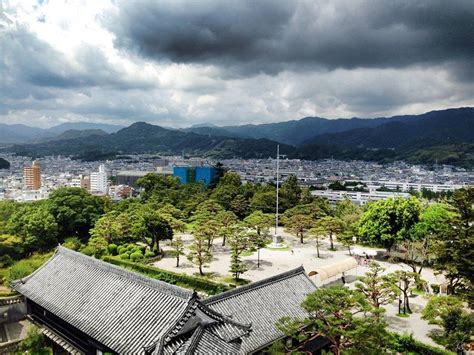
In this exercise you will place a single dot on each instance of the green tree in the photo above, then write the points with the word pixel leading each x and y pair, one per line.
pixel 378 289
pixel 157 185
pixel 34 343
pixel 225 219
pixel 263 201
pixel 438 307
pixel 318 234
pixel 405 281
pixel 333 313
pixel 240 206
pixel 298 224
pixel 11 248
pixel 178 248
pixel 434 224
pixel 97 246
pixel 199 252
pixel 107 227
pixel 455 250
pixel 75 211
pixel 290 192
pixel 209 230
pixel 329 226
pixel 227 189
pixel 36 226
pixel 260 223
pixel 458 326
pixel 238 243
pixel 150 227
pixel 386 222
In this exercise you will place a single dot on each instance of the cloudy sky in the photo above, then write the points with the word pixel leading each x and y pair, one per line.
pixel 178 63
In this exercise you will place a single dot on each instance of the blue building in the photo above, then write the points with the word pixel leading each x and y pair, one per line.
pixel 205 174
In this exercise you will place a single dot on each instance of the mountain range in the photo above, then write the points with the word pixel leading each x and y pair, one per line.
pixel 446 136
pixel 19 133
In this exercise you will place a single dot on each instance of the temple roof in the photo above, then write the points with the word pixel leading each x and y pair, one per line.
pixel 122 310
pixel 263 303
pixel 133 314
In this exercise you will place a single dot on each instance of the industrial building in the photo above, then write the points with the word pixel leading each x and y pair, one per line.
pixel 207 175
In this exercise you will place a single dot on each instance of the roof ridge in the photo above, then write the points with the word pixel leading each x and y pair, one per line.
pixel 162 286
pixel 208 310
pixel 254 285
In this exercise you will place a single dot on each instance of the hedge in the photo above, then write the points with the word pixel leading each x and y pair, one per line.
pixel 192 282
pixel 405 343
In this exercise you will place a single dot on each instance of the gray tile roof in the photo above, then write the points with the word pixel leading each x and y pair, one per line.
pixel 127 312
pixel 120 309
pixel 263 303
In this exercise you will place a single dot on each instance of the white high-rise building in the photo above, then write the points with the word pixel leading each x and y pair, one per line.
pixel 98 181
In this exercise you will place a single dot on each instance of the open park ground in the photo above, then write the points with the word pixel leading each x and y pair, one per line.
pixel 294 254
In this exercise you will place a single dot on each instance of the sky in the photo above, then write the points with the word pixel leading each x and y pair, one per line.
pixel 178 63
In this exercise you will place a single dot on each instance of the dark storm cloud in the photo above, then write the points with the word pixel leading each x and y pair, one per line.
pixel 271 36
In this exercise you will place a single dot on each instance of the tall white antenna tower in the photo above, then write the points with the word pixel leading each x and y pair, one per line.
pixel 276 238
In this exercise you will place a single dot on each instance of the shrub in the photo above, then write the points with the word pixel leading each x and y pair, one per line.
pixel 435 288
pixel 149 254
pixel 121 249
pixel 142 249
pixel 405 343
pixel 88 250
pixel 136 256
pixel 112 248
pixel 25 267
pixel 182 280
pixel 34 343
pixel 5 261
pixel 72 243
pixel 124 256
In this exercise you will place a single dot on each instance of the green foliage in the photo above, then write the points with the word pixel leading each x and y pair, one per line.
pixel 25 267
pixel 386 222
pixel 406 344
pixel 298 224
pixel 124 256
pixel 75 211
pixel 438 306
pixel 112 249
pixel 238 243
pixel 136 256
pixel 72 243
pixel 11 247
pixel 328 226
pixel 455 250
pixel 149 254
pixel 36 226
pixel 199 250
pixel 34 343
pixel 178 248
pixel 458 328
pixel 99 245
pixel 378 289
pixel 290 192
pixel 332 313
pixel 182 280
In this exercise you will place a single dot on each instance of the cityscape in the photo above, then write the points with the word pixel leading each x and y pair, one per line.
pixel 29 180
pixel 236 177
